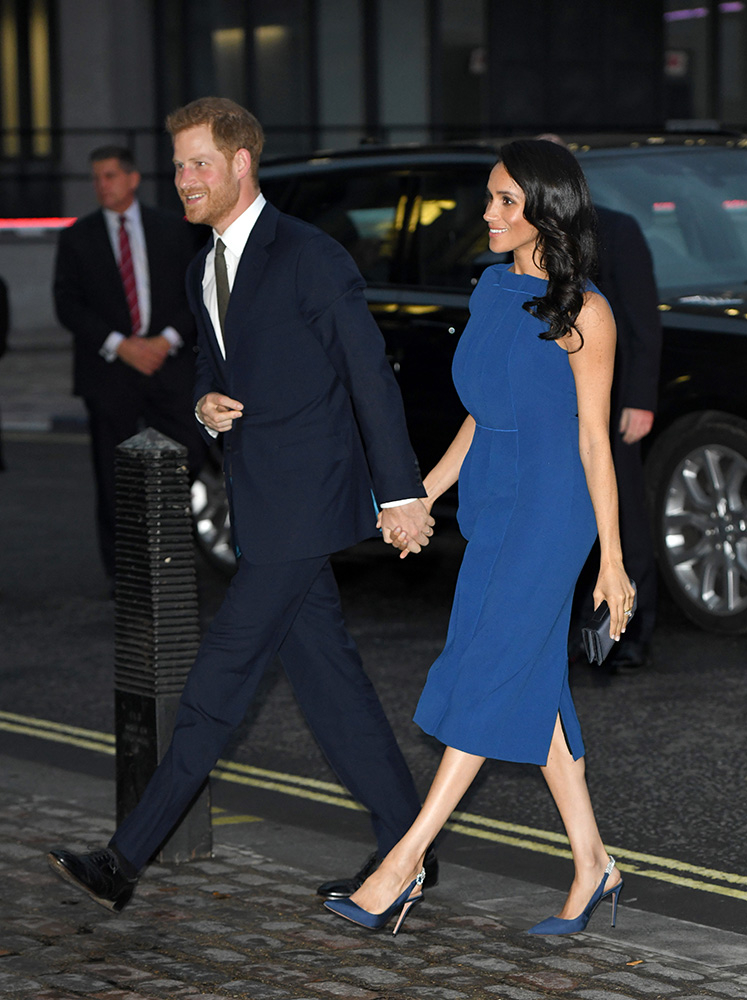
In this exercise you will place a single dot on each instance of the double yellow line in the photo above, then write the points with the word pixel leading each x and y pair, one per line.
pixel 671 870
pixel 528 838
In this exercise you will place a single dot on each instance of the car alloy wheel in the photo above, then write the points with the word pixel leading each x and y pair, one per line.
pixel 210 516
pixel 700 518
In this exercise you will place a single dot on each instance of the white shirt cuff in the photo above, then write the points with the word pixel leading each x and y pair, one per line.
pixel 211 432
pixel 398 503
pixel 173 338
pixel 108 349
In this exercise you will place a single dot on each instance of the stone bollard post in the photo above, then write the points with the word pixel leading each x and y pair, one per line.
pixel 156 624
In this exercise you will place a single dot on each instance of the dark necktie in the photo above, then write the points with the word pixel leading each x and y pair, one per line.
pixel 221 283
pixel 127 271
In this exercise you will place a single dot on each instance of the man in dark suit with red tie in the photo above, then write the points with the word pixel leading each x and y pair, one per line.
pixel 292 373
pixel 119 289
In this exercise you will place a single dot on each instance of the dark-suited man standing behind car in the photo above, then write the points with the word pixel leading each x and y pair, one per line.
pixel 292 372
pixel 119 289
pixel 626 278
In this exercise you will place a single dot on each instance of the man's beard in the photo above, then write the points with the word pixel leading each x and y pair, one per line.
pixel 217 203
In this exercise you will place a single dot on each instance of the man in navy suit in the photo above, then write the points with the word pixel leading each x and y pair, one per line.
pixel 292 373
pixel 133 332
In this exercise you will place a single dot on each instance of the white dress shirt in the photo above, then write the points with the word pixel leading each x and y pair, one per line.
pixel 234 239
pixel 139 251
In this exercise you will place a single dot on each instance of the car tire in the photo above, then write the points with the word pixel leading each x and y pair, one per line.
pixel 696 473
pixel 210 516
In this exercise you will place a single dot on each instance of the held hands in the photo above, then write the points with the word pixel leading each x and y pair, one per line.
pixel 635 424
pixel 614 587
pixel 218 412
pixel 145 354
pixel 408 528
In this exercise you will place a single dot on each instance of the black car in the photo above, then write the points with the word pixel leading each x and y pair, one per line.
pixel 411 217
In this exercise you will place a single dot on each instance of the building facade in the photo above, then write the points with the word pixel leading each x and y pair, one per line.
pixel 323 73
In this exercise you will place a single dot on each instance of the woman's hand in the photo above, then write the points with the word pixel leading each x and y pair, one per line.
pixel 407 527
pixel 614 587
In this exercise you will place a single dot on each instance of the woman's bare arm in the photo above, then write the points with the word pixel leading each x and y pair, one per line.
pixel 592 366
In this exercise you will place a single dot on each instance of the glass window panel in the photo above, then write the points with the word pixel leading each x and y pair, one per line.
pixel 366 213
pixel 41 100
pixel 448 235
pixel 281 93
pixel 402 70
pixel 229 58
pixel 11 107
pixel 463 65
pixel 692 207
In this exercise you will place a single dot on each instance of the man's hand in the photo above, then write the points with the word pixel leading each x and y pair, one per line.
pixel 635 424
pixel 145 354
pixel 218 412
pixel 407 528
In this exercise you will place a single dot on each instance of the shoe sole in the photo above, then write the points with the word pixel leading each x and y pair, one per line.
pixel 60 869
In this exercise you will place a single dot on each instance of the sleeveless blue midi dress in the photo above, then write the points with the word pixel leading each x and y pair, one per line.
pixel 524 508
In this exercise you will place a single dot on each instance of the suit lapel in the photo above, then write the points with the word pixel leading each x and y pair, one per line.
pixel 249 274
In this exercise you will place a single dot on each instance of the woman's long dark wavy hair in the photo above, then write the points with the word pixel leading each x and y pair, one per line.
pixel 558 204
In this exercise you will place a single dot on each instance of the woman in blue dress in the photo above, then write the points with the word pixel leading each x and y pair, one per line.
pixel 536 485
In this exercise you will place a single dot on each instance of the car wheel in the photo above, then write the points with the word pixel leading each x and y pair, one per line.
pixel 697 475
pixel 212 523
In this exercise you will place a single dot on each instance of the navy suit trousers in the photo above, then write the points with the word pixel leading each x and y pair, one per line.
pixel 291 609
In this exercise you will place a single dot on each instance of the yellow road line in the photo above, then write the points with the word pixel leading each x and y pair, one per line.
pixel 260 772
pixel 528 838
pixel 57 727
pixel 58 737
pixel 294 787
pixel 662 876
pixel 619 852
pixel 234 820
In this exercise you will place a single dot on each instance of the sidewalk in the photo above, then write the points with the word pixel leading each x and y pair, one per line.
pixel 247 924
pixel 36 377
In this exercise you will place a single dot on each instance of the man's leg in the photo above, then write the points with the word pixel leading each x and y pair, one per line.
pixel 345 714
pixel 259 608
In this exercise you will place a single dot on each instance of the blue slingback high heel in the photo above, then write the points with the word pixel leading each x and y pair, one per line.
pixel 556 925
pixel 375 921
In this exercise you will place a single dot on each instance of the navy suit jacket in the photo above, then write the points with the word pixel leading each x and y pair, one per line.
pixel 323 423
pixel 626 279
pixel 90 301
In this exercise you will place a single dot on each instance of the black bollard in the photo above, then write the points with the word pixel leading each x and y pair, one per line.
pixel 156 624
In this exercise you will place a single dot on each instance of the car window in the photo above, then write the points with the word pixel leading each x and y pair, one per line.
pixel 363 211
pixel 448 237
pixel 691 205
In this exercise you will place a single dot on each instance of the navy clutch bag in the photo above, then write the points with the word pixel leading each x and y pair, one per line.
pixel 596 632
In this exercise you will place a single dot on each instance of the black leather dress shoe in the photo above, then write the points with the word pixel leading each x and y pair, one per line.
pixel 99 874
pixel 343 887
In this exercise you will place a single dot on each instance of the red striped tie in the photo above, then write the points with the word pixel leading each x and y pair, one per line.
pixel 127 272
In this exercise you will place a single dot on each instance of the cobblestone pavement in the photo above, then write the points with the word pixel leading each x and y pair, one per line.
pixel 247 924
